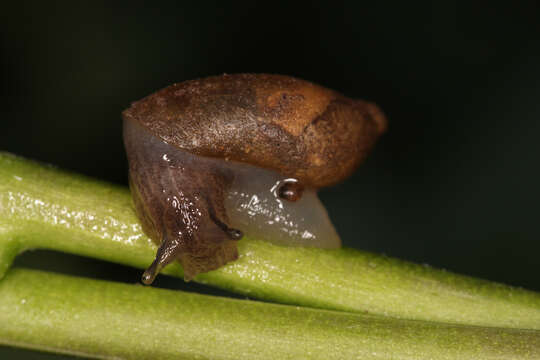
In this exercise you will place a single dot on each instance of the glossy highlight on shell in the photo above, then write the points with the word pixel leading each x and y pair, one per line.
pixel 214 159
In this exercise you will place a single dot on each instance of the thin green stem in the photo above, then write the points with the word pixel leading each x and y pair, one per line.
pixel 111 320
pixel 42 207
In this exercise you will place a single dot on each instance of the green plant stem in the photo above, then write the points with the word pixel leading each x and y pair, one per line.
pixel 42 207
pixel 109 320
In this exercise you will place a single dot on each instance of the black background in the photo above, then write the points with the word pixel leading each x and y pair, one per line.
pixel 455 181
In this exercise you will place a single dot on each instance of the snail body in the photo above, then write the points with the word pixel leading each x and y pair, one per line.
pixel 214 159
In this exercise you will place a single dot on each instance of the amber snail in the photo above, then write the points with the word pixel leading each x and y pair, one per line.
pixel 214 159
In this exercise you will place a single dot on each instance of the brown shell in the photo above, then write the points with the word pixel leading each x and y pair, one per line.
pixel 297 128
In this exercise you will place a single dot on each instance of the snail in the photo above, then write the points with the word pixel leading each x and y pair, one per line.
pixel 214 159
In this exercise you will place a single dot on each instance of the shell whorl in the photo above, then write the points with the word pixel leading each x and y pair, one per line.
pixel 277 122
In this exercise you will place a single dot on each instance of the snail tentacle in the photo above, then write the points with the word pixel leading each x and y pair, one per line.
pixel 164 256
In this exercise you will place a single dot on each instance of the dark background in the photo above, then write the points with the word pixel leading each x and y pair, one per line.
pixel 454 182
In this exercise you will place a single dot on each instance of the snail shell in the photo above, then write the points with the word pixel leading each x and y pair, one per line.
pixel 213 159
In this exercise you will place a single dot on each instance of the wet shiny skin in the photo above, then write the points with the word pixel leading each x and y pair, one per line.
pixel 253 206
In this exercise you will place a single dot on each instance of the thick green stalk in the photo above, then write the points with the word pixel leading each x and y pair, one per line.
pixel 42 207
pixel 111 320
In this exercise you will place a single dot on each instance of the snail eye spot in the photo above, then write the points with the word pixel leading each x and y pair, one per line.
pixel 291 191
